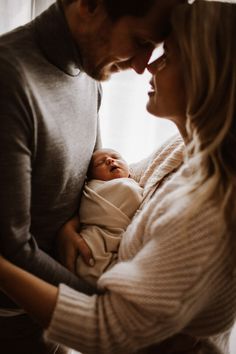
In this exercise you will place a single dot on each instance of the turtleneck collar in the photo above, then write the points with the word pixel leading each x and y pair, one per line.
pixel 55 40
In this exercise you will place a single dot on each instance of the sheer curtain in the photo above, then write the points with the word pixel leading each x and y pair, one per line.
pixel 125 123
pixel 14 13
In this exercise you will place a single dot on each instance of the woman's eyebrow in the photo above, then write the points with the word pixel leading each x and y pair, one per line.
pixel 164 46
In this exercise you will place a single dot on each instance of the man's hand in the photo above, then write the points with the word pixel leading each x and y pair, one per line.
pixel 184 344
pixel 36 296
pixel 70 244
pixel 3 264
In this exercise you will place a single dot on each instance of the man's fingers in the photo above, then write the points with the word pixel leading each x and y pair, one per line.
pixel 85 251
pixel 70 264
pixel 70 259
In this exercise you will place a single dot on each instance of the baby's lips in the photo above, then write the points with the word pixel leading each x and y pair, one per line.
pixel 113 168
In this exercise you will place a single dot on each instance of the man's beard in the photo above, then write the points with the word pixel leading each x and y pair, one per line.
pixel 100 73
pixel 103 72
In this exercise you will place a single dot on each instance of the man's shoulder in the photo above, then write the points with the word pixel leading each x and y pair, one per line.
pixel 14 46
pixel 11 44
pixel 10 66
pixel 16 37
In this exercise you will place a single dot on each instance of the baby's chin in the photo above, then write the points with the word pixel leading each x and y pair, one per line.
pixel 119 174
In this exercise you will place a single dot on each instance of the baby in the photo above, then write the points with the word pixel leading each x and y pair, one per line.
pixel 109 201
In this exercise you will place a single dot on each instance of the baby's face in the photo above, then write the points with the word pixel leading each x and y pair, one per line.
pixel 107 164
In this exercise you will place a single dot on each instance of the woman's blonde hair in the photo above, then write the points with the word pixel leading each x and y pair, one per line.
pixel 206 35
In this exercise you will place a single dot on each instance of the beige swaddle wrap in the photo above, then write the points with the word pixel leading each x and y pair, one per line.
pixel 106 210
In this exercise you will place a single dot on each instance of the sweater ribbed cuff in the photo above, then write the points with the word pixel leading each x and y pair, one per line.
pixel 73 313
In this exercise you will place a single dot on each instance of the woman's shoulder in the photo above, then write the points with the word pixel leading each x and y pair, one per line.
pixel 142 170
pixel 179 217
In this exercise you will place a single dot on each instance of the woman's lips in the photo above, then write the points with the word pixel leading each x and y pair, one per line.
pixel 152 91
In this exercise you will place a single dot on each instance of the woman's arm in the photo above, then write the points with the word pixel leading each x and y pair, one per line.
pixel 36 296
pixel 148 298
pixel 39 299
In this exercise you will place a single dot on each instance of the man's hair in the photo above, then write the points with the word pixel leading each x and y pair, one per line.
pixel 119 8
pixel 67 2
pixel 205 34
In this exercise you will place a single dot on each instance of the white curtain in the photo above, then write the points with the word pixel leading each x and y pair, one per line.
pixel 14 13
pixel 125 124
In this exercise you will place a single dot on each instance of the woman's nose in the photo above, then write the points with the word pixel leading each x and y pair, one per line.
pixel 140 61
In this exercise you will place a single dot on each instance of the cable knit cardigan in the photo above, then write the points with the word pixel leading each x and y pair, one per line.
pixel 175 274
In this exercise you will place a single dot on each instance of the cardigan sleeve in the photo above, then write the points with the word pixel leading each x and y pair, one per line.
pixel 140 168
pixel 148 298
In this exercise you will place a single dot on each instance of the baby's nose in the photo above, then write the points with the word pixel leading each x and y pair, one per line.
pixel 109 160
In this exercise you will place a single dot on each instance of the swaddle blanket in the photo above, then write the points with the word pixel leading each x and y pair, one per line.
pixel 106 210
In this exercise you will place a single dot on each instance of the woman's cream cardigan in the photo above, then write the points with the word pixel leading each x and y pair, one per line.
pixel 174 275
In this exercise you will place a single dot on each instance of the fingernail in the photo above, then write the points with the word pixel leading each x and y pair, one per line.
pixel 91 262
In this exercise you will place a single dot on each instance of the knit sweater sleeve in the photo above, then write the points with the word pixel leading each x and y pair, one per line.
pixel 151 296
pixel 140 168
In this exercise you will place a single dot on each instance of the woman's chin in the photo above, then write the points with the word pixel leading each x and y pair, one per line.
pixel 152 109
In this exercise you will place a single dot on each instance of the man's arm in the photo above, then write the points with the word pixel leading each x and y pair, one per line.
pixel 36 296
pixel 17 167
pixel 70 244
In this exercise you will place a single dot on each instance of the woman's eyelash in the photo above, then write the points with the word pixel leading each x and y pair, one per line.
pixel 162 62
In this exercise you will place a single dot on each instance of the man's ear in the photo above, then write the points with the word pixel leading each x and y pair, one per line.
pixel 88 7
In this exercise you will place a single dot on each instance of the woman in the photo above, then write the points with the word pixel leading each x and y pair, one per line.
pixel 176 269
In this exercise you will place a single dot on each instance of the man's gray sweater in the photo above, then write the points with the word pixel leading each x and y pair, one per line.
pixel 49 125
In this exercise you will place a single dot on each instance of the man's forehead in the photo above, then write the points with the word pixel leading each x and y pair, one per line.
pixel 155 25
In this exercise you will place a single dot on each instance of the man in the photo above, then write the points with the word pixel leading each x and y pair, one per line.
pixel 49 128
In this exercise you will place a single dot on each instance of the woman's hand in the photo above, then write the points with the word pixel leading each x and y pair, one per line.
pixel 70 244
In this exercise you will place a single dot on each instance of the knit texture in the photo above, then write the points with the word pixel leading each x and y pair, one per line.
pixel 175 274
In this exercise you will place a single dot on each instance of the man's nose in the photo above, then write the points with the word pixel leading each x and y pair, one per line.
pixel 140 60
pixel 152 67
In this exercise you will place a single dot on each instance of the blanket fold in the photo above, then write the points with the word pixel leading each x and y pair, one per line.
pixel 106 210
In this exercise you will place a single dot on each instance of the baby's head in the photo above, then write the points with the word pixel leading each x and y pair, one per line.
pixel 107 164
